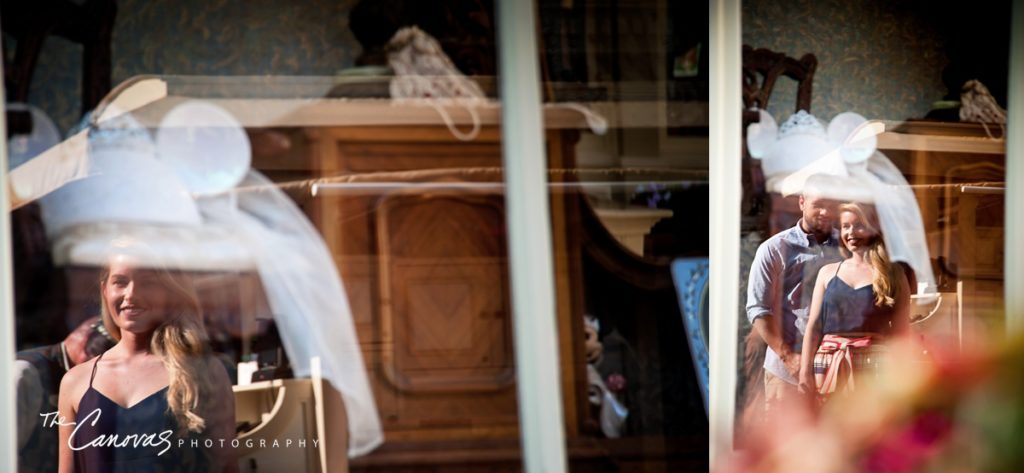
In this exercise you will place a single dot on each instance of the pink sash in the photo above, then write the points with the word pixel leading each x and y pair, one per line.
pixel 835 360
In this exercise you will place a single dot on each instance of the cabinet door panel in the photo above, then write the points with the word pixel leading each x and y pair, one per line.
pixel 444 292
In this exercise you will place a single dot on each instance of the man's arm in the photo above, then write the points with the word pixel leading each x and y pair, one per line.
pixel 30 399
pixel 763 289
pixel 769 328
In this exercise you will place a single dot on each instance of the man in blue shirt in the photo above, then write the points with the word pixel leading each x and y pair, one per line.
pixel 779 291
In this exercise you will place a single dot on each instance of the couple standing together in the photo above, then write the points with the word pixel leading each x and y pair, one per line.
pixel 814 280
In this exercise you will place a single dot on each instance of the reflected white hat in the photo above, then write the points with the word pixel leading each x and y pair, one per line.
pixel 130 190
pixel 803 146
pixel 150 213
pixel 841 163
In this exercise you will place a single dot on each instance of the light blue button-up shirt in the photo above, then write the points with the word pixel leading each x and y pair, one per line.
pixel 781 283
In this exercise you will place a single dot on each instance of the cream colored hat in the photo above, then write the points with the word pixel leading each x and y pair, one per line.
pixel 840 162
pixel 133 190
pixel 803 146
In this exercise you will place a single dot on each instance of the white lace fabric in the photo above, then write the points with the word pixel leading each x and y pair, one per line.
pixel 425 74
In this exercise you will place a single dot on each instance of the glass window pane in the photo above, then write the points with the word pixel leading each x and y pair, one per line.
pixel 627 201
pixel 873 226
pixel 294 218
pixel 305 186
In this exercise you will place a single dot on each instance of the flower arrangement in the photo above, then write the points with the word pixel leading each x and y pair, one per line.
pixel 653 195
pixel 944 411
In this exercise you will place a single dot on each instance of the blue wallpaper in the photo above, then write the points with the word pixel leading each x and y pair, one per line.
pixel 879 58
pixel 57 82
pixel 196 37
pixel 882 59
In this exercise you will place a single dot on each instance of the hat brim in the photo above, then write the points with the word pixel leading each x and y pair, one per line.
pixel 189 248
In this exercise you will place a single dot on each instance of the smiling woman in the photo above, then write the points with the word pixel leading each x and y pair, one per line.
pixel 133 297
pixel 157 386
pixel 865 294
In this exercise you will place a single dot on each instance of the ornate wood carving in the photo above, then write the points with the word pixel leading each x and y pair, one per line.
pixel 89 23
pixel 761 69
pixel 769 65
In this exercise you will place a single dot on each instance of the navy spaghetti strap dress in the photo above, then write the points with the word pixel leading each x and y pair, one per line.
pixel 845 309
pixel 139 438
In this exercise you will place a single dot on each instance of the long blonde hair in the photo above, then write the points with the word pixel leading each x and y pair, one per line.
pixel 885 274
pixel 181 343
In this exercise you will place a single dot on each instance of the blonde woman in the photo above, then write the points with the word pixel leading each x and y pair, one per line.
pixel 156 399
pixel 864 294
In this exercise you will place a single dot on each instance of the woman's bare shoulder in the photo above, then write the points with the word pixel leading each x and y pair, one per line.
pixel 74 383
pixel 826 272
pixel 80 371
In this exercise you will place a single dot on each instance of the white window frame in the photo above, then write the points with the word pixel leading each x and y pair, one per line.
pixel 8 402
pixel 725 47
pixel 538 384
pixel 1013 264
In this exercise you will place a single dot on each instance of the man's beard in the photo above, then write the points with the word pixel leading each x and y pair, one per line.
pixel 819 227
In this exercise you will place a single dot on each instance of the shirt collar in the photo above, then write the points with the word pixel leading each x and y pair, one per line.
pixel 798 236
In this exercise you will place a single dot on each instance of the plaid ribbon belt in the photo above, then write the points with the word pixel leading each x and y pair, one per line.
pixel 839 357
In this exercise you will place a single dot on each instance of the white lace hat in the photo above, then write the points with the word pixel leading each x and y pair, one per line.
pixel 176 206
pixel 841 162
pixel 130 191
pixel 803 146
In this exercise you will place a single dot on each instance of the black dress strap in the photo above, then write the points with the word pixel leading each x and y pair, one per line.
pixel 837 268
pixel 94 365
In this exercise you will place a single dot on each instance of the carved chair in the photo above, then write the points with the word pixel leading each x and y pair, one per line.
pixel 89 23
pixel 761 69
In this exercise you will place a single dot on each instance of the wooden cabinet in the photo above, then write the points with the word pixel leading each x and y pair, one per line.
pixel 415 220
pixel 958 172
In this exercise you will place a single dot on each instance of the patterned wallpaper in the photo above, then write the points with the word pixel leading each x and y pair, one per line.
pixel 882 59
pixel 195 37
pixel 57 82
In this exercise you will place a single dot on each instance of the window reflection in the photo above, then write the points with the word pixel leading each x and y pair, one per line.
pixel 340 211
pixel 845 350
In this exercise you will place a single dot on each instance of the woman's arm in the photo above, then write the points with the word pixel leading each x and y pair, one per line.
pixel 812 334
pixel 71 390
